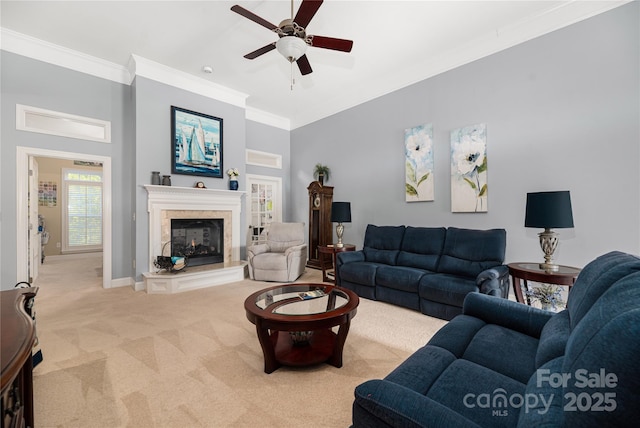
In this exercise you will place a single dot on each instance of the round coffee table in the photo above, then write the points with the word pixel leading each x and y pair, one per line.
pixel 294 323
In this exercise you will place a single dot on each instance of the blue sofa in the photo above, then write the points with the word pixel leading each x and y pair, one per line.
pixel 428 269
pixel 505 364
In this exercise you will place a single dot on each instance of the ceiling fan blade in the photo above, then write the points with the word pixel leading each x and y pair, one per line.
pixel 307 10
pixel 331 43
pixel 261 51
pixel 303 65
pixel 252 16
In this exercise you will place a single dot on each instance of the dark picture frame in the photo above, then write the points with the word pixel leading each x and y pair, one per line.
pixel 196 143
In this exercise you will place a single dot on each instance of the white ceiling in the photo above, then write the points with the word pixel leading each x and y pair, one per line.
pixel 396 43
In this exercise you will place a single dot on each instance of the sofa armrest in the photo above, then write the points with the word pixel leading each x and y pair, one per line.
pixel 506 313
pixel 349 257
pixel 494 281
pixel 384 404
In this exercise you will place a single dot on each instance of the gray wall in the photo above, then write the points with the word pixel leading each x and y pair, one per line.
pixel 38 84
pixel 272 140
pixel 562 113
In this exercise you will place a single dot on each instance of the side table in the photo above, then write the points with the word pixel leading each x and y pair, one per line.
pixel 328 269
pixel 565 275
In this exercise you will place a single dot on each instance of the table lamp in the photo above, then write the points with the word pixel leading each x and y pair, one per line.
pixel 340 213
pixel 549 210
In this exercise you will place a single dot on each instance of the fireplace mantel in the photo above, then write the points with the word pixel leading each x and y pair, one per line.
pixel 174 198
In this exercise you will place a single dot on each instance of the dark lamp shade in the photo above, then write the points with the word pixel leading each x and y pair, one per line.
pixel 549 210
pixel 341 212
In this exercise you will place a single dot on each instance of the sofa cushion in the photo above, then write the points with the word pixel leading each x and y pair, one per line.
pixel 607 340
pixel 504 351
pixel 595 278
pixel 464 387
pixel 399 277
pixel 382 243
pixel 363 273
pixel 548 409
pixel 468 252
pixel 553 338
pixel 443 288
pixel 421 247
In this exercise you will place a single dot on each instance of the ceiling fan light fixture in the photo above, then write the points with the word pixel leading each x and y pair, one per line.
pixel 291 47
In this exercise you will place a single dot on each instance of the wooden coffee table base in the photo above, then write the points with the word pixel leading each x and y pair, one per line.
pixel 279 348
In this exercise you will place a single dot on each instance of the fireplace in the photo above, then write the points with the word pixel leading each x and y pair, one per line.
pixel 200 240
pixel 192 205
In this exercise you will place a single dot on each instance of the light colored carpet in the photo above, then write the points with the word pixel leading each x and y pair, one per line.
pixel 119 358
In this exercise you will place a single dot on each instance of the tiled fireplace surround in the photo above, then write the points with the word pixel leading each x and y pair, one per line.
pixel 167 202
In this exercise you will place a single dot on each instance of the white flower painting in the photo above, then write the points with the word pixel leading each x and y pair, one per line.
pixel 418 150
pixel 469 169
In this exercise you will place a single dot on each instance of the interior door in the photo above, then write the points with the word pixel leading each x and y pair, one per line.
pixel 33 230
pixel 265 206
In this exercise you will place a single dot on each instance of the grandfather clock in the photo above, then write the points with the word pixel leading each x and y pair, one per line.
pixel 320 231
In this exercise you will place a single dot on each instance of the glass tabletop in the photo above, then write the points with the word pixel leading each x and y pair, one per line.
pixel 535 267
pixel 306 299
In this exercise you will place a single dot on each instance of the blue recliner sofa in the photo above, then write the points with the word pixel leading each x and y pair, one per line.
pixel 428 269
pixel 506 364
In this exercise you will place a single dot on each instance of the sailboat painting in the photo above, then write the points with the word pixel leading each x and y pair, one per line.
pixel 196 143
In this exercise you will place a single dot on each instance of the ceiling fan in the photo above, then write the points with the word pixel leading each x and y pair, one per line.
pixel 293 38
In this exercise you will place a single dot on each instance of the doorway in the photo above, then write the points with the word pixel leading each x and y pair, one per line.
pixel 24 157
pixel 264 206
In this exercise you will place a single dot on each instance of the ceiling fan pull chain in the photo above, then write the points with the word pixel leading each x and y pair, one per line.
pixel 292 79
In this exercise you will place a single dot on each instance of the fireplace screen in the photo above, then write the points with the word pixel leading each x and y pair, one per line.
pixel 200 240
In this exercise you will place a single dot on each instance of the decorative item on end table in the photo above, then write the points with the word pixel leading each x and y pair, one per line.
pixel 549 296
pixel 340 213
pixel 321 173
pixel 549 210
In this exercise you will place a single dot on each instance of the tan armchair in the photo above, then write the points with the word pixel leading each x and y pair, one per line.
pixel 283 257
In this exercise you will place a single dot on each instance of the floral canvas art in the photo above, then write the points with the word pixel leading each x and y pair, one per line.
pixel 418 150
pixel 469 169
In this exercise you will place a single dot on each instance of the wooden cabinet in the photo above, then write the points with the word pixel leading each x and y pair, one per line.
pixel 320 232
pixel 17 335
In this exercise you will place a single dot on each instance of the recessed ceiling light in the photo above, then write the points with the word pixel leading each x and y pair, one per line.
pixel 207 69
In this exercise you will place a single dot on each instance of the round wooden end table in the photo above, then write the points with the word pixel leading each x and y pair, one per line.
pixel 294 323
pixel 329 268
pixel 565 275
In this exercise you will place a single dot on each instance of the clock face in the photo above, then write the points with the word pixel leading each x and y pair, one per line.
pixel 316 201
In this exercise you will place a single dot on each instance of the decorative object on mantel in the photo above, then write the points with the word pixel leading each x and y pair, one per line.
pixel 549 296
pixel 155 178
pixel 233 174
pixel 549 210
pixel 321 173
pixel 196 143
pixel 199 185
pixel 170 264
pixel 166 180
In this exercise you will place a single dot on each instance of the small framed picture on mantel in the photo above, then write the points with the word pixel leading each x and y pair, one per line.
pixel 196 143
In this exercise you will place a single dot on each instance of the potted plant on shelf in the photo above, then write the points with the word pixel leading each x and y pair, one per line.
pixel 549 296
pixel 321 173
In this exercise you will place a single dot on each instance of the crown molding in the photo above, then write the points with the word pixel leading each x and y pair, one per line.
pixel 21 44
pixel 139 66
pixel 267 118
pixel 40 50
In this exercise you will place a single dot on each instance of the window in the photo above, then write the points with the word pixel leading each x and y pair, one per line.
pixel 82 224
